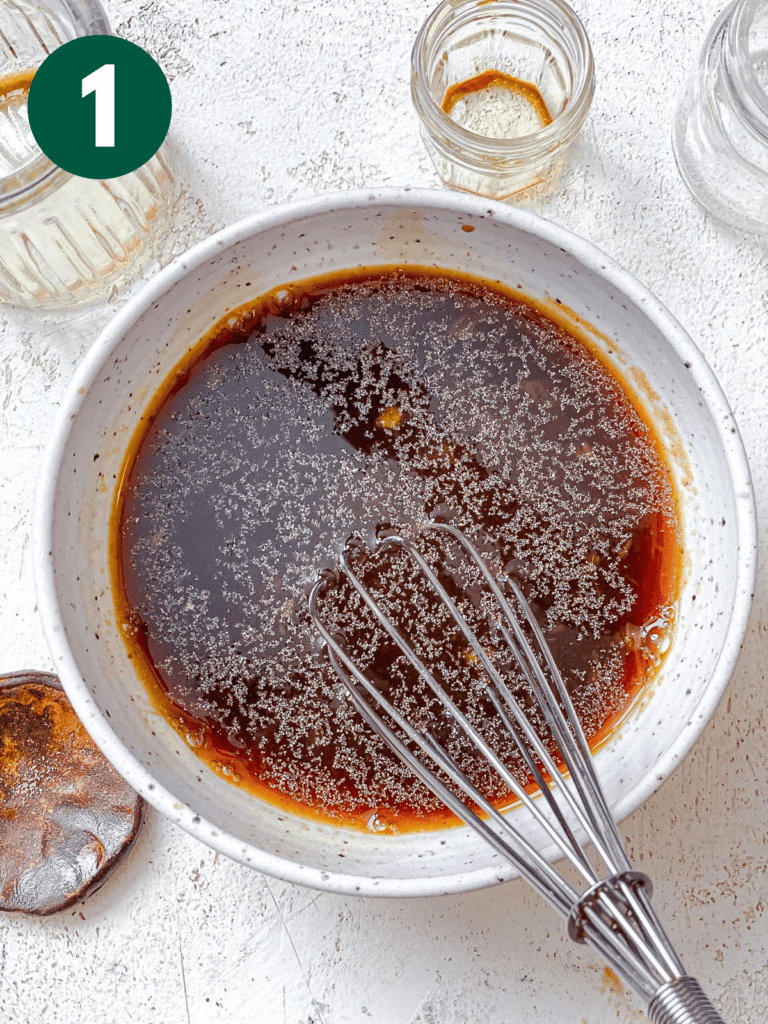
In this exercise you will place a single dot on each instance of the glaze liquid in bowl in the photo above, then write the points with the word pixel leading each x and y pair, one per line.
pixel 337 407
pixel 574 283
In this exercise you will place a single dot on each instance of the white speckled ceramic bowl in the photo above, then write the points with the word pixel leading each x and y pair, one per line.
pixel 177 307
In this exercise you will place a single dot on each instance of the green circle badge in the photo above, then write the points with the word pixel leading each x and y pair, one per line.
pixel 99 106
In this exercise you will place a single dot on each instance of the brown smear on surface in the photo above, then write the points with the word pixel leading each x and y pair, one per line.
pixel 66 816
pixel 674 446
pixel 20 82
pixel 497 80
pixel 352 400
pixel 611 982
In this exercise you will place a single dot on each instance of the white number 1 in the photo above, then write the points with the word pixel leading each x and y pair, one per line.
pixel 102 82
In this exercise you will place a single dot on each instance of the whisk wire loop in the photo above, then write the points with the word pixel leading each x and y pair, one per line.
pixel 509 843
pixel 506 841
pixel 525 657
pixel 564 724
pixel 570 849
pixel 541 783
pixel 612 912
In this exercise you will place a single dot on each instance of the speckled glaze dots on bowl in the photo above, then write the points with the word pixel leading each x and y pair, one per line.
pixel 634 333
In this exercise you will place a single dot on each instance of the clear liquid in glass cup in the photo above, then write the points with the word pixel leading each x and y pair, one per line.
pixel 65 240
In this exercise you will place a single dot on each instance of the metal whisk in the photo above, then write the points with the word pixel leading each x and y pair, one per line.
pixel 611 909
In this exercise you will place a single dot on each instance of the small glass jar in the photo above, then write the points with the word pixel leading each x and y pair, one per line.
pixel 65 239
pixel 720 135
pixel 502 88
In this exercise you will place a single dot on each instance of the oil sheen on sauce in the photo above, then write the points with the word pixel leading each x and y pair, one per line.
pixel 343 407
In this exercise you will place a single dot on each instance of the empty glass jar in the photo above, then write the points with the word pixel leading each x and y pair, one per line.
pixel 502 88
pixel 720 135
pixel 66 239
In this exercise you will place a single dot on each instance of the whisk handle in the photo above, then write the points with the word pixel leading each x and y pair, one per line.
pixel 682 1001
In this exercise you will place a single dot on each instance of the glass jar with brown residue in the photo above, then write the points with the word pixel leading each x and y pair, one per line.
pixel 502 87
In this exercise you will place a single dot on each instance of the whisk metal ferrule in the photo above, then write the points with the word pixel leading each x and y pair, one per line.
pixel 682 1001
pixel 595 896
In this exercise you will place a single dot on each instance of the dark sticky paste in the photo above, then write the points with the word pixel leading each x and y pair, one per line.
pixel 67 817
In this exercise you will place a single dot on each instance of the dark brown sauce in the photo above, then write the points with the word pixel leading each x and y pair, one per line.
pixel 338 407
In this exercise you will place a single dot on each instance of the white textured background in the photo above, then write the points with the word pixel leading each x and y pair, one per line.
pixel 274 102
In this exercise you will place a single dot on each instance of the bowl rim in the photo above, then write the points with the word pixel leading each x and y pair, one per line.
pixel 593 259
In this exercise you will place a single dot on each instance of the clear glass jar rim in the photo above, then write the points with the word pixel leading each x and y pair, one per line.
pixel 88 18
pixel 39 172
pixel 565 125
pixel 745 83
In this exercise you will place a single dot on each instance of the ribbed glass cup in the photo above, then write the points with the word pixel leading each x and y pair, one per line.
pixel 720 134
pixel 537 43
pixel 65 239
